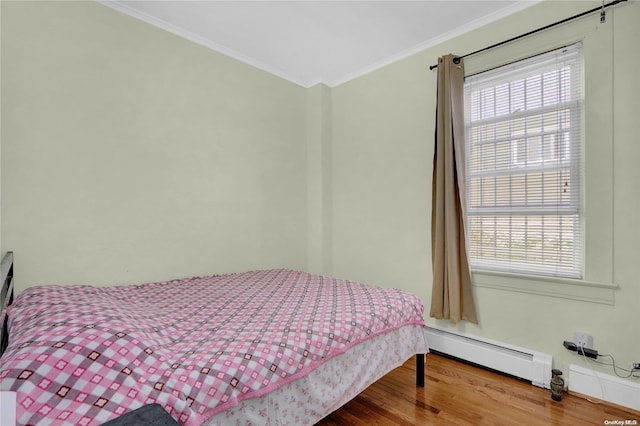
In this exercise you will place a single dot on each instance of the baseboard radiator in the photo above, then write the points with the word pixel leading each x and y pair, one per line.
pixel 516 361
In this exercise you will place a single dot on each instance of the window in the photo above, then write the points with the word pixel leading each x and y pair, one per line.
pixel 523 195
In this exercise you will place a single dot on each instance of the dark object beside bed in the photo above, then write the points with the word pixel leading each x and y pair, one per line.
pixel 151 414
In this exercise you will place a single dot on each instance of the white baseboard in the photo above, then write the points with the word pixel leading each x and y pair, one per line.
pixel 604 387
pixel 514 360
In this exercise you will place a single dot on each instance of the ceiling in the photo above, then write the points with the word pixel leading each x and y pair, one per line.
pixel 310 42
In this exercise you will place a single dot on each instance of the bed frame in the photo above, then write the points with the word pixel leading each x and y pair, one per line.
pixel 6 299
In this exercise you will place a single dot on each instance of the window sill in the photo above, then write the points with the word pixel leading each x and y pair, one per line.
pixel 581 290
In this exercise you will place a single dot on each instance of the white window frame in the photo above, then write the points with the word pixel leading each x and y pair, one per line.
pixel 574 207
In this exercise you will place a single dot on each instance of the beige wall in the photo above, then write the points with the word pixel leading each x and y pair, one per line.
pixel 2 252
pixel 383 129
pixel 130 154
pixel 319 131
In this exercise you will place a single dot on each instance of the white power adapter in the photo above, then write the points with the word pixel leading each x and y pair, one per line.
pixel 583 339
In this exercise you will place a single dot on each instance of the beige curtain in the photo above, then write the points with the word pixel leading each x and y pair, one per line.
pixel 452 296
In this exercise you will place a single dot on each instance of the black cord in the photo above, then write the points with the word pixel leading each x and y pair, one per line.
pixel 615 369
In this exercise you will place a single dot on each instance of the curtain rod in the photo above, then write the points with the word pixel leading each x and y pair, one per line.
pixel 546 27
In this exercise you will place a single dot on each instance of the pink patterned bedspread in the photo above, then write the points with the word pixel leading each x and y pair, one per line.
pixel 82 355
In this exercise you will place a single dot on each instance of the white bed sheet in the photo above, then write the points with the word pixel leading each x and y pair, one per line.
pixel 331 385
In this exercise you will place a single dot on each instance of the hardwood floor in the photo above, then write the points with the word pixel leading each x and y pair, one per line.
pixel 458 394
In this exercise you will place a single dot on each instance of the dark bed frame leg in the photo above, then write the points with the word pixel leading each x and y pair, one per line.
pixel 420 370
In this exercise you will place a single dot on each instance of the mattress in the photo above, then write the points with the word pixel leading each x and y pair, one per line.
pixel 200 347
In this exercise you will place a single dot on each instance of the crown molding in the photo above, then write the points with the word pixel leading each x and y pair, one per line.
pixel 186 34
pixel 456 32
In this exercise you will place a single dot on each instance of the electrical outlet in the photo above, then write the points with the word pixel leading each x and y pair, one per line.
pixel 583 339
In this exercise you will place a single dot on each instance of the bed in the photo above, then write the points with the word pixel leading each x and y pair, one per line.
pixel 262 347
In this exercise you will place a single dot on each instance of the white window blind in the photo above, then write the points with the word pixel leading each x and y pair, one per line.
pixel 523 195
